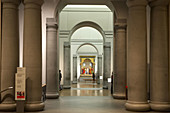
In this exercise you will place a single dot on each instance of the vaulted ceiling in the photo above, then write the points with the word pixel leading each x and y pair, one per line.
pixel 117 6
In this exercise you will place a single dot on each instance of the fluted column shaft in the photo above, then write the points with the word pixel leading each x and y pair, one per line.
pixel 33 54
pixel 137 57
pixel 74 69
pixel 52 72
pixel 159 70
pixel 10 52
pixel 120 63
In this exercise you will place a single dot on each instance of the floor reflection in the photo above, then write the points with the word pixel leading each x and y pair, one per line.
pixel 85 89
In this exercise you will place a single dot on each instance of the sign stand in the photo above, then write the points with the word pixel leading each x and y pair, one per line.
pixel 20 106
pixel 20 92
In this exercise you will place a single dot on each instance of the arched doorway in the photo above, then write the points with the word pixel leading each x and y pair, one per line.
pixel 60 5
pixel 80 48
pixel 66 32
pixel 53 9
pixel 86 61
pixel 136 47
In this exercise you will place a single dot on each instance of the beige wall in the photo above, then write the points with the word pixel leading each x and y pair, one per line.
pixel 70 18
pixel 21 30
pixel 48 11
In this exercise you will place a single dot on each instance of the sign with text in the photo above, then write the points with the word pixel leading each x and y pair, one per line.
pixel 101 77
pixel 109 79
pixel 20 93
pixel 21 70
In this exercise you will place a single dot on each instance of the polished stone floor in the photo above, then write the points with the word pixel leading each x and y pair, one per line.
pixel 87 104
pixel 85 89
pixel 85 98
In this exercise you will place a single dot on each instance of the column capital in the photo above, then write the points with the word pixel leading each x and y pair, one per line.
pixel 16 2
pixel 120 21
pixel 38 2
pixel 132 3
pixel 118 26
pixel 154 3
pixel 107 45
pixel 51 23
pixel 66 44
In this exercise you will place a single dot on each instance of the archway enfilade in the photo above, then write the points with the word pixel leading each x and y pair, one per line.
pixel 35 80
pixel 90 45
pixel 87 24
pixel 97 54
pixel 136 51
pixel 79 26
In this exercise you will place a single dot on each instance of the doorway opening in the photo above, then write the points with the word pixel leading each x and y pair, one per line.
pixel 88 30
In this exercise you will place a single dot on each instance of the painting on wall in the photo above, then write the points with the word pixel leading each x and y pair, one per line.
pixel 87 65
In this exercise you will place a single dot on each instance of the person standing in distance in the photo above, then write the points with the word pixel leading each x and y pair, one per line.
pixel 60 76
pixel 93 77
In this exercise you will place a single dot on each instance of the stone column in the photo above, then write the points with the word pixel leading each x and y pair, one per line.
pixel 52 72
pixel 107 64
pixel 67 74
pixel 58 54
pixel 74 69
pixel 0 40
pixel 120 62
pixel 10 52
pixel 137 57
pixel 169 48
pixel 159 67
pixel 99 68
pixel 33 54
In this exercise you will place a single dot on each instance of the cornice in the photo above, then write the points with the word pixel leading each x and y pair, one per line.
pixel 132 3
pixel 153 3
pixel 120 26
pixel 16 2
pixel 38 2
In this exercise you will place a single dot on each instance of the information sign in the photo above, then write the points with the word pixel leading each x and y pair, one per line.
pixel 109 80
pixel 20 93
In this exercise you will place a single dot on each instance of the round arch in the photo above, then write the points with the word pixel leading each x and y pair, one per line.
pixel 119 7
pixel 87 24
pixel 62 3
pixel 87 44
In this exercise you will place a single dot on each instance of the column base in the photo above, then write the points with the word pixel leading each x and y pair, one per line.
pixel 7 107
pixel 119 96
pixel 160 106
pixel 52 95
pixel 34 106
pixel 66 87
pixel 137 106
